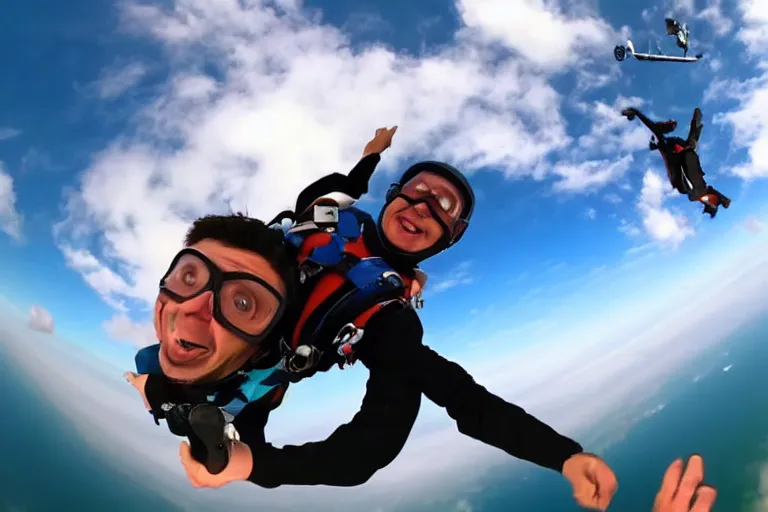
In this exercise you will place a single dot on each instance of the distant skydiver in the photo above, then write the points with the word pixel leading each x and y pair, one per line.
pixel 680 31
pixel 674 28
pixel 681 160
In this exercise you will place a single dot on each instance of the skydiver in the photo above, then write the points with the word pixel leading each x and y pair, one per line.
pixel 680 31
pixel 681 160
pixel 426 212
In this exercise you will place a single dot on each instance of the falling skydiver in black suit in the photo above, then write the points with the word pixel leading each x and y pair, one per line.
pixel 682 162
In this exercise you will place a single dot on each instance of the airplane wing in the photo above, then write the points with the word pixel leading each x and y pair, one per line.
pixel 622 53
pixel 665 58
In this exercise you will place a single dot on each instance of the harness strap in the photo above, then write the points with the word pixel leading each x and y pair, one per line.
pixel 352 287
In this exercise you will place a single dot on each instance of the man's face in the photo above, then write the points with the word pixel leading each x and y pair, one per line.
pixel 194 347
pixel 413 228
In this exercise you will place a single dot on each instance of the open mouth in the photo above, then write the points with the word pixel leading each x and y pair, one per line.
pixel 182 352
pixel 409 227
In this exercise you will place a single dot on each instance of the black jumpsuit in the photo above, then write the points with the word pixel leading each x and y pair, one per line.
pixel 680 157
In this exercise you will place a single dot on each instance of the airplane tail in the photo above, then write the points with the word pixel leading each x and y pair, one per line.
pixel 630 46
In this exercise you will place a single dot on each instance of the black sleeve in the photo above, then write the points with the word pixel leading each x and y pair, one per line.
pixel 354 451
pixel 478 413
pixel 650 124
pixel 251 421
pixel 160 390
pixel 354 184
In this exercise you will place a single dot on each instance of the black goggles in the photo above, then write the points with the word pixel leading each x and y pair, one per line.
pixel 244 304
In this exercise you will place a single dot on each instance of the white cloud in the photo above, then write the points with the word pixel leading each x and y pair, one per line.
pixel 753 32
pixel 649 13
pixel 101 278
pixel 40 319
pixel 661 224
pixel 460 275
pixel 684 7
pixel 543 32
pixel 590 175
pixel 7 132
pixel 114 82
pixel 747 120
pixel 629 228
pixel 613 198
pixel 713 14
pixel 10 219
pixel 591 213
pixel 610 131
pixel 291 100
pixel 121 328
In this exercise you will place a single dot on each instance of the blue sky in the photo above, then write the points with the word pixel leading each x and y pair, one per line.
pixel 122 121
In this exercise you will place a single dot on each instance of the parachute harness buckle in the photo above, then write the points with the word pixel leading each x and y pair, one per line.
pixel 345 342
pixel 304 358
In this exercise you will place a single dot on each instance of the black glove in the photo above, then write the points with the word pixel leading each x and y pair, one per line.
pixel 177 418
pixel 629 113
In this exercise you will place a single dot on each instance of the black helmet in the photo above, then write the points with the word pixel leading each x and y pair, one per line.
pixel 458 180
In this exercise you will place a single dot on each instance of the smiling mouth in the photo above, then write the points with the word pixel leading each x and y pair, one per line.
pixel 409 227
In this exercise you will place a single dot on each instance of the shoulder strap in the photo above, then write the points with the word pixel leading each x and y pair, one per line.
pixel 147 360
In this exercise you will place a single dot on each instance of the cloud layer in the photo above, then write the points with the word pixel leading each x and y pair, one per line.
pixel 10 219
pixel 288 99
pixel 613 370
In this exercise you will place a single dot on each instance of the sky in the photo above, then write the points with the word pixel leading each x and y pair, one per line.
pixel 121 122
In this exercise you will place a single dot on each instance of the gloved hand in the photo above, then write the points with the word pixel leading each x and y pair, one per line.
pixel 629 113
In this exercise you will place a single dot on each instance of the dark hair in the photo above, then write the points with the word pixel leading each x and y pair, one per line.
pixel 242 232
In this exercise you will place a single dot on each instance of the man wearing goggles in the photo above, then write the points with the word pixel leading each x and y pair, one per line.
pixel 218 319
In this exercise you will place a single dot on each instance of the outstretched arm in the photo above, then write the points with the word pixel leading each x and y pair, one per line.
pixel 477 412
pixel 354 184
pixel 656 128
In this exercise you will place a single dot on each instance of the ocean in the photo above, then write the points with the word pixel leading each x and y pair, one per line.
pixel 46 466
pixel 723 415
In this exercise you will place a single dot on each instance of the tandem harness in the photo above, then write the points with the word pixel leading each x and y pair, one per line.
pixel 233 393
pixel 346 286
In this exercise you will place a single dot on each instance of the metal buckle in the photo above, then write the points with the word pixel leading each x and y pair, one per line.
pixel 231 433
pixel 345 340
pixel 324 215
pixel 307 270
pixel 303 358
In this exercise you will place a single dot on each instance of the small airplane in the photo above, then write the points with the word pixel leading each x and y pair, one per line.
pixel 674 28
